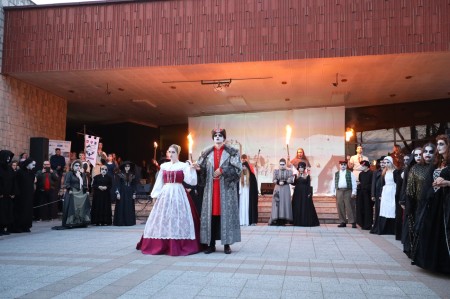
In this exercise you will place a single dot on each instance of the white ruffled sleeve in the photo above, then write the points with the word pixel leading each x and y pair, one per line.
pixel 190 175
pixel 159 184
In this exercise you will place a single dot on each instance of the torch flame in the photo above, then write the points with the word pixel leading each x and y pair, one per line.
pixel 191 142
pixel 348 134
pixel 155 145
pixel 288 133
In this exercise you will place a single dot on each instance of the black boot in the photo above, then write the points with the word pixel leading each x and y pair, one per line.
pixel 211 248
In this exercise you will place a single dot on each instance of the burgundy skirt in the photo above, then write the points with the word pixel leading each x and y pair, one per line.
pixel 171 246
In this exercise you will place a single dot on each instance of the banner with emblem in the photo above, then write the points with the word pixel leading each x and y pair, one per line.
pixel 90 148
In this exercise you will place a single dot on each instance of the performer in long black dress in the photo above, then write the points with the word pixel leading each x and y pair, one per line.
pixel 253 197
pixel 303 210
pixel 101 213
pixel 364 203
pixel 23 205
pixel 8 192
pixel 125 213
pixel 405 201
pixel 433 217
pixel 377 187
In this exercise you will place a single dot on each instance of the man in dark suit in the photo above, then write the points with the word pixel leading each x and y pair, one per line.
pixel 46 187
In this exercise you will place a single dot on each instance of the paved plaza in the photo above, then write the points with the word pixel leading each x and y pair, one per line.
pixel 270 262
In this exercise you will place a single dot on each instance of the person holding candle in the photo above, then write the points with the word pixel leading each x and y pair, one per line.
pixel 173 225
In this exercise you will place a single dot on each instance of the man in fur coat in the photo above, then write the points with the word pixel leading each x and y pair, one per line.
pixel 221 167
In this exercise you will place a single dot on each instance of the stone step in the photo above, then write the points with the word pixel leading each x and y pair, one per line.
pixel 325 208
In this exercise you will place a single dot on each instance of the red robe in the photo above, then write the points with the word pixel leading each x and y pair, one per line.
pixel 216 183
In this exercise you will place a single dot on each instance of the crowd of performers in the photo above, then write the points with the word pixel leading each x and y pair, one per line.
pixel 297 209
pixel 406 196
pixel 197 204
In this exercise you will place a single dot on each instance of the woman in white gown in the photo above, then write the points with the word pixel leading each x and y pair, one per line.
pixel 173 224
pixel 386 220
pixel 244 196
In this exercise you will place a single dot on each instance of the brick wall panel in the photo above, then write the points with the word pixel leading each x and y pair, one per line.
pixel 155 33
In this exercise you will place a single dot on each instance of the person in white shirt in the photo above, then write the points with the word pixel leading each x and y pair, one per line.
pixel 354 162
pixel 345 185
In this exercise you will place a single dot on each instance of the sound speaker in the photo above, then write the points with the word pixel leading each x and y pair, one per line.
pixel 267 188
pixel 39 150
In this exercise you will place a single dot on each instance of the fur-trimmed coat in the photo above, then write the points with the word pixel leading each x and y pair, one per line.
pixel 231 166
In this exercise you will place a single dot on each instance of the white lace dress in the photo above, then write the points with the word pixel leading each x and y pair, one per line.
pixel 170 226
pixel 387 204
pixel 244 200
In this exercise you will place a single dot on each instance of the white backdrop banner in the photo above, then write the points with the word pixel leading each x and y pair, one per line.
pixel 319 131
pixel 91 147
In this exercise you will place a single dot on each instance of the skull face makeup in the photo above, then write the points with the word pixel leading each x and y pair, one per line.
pixel 418 155
pixel 428 154
pixel 103 170
pixel 127 168
pixel 218 138
pixel 31 165
pixel 76 167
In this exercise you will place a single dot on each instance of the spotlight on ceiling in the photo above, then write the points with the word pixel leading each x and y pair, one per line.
pixel 219 85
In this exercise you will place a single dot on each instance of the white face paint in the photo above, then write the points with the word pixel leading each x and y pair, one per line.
pixel 127 168
pixel 418 155
pixel 103 170
pixel 441 147
pixel 31 165
pixel 428 154
pixel 218 138
pixel 382 164
pixel 387 163
pixel 8 159
pixel 76 167
pixel 343 166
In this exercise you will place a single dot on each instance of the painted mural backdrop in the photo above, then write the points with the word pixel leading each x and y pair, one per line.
pixel 319 131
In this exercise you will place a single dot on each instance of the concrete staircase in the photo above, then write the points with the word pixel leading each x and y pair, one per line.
pixel 325 208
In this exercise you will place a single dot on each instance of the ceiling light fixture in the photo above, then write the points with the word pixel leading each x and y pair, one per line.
pixel 219 85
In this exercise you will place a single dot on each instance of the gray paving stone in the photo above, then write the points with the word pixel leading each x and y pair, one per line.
pixel 289 262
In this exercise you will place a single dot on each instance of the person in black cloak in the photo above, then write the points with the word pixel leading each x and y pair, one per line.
pixel 124 212
pixel 377 187
pixel 8 192
pixel 432 251
pixel 23 205
pixel 364 203
pixel 253 197
pixel 101 213
pixel 303 210
pixel 405 203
